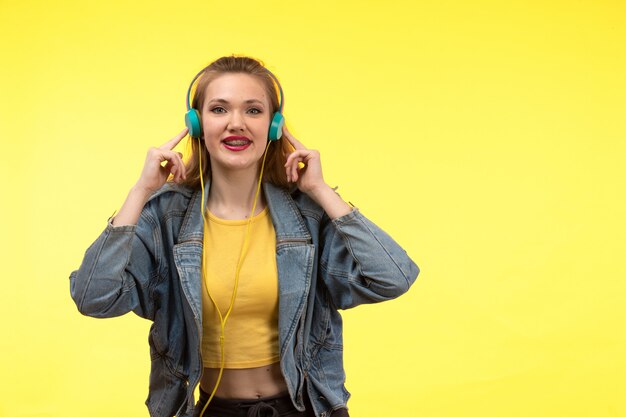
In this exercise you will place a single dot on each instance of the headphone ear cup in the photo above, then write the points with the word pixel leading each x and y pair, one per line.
pixel 276 127
pixel 192 121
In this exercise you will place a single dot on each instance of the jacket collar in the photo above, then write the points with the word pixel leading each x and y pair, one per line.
pixel 288 221
pixel 294 265
pixel 286 217
pixel 192 228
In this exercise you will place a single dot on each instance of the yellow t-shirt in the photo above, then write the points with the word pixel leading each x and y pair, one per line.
pixel 251 332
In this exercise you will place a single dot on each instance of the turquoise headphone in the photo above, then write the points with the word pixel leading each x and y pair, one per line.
pixel 193 121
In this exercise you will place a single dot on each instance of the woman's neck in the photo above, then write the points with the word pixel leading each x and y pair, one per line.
pixel 231 195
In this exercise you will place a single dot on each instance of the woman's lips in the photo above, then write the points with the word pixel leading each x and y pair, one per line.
pixel 236 143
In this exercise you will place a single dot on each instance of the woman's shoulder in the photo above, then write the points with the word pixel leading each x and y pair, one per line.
pixel 173 188
pixel 171 196
pixel 305 204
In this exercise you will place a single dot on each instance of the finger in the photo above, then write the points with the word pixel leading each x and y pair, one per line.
pixel 173 171
pixel 291 170
pixel 180 167
pixel 297 161
pixel 291 164
pixel 177 157
pixel 288 172
pixel 171 144
pixel 294 172
pixel 292 176
pixel 301 155
pixel 295 142
pixel 295 166
pixel 183 171
pixel 173 164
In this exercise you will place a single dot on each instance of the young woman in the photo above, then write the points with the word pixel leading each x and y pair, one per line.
pixel 241 260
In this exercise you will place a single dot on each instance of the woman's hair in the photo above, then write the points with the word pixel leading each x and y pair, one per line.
pixel 277 153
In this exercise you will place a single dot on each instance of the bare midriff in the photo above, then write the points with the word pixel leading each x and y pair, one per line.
pixel 248 383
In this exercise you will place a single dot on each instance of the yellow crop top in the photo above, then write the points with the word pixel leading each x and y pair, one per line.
pixel 251 332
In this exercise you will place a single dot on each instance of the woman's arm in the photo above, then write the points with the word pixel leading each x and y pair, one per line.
pixel 153 177
pixel 310 179
pixel 117 269
pixel 359 263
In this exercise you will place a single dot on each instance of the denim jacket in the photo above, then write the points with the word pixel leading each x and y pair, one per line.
pixel 153 269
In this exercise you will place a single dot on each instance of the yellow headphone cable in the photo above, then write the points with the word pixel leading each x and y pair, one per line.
pixel 242 254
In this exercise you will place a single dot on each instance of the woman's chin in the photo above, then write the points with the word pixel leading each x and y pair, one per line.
pixel 236 165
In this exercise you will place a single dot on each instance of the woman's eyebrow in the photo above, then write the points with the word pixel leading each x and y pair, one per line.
pixel 253 100
pixel 222 100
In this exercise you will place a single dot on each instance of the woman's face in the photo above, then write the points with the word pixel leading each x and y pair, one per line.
pixel 235 122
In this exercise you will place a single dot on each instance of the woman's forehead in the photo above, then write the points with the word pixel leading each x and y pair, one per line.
pixel 236 87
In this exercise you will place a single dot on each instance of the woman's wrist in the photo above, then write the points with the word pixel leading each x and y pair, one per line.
pixel 131 209
pixel 330 201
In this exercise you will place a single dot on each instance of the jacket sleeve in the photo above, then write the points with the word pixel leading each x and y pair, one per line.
pixel 360 263
pixel 118 271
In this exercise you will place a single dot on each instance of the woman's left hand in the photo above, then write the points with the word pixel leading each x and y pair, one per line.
pixel 308 178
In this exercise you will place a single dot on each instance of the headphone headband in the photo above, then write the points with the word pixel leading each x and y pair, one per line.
pixel 280 90
pixel 191 85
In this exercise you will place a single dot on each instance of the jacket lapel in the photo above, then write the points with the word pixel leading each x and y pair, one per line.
pixel 294 261
pixel 188 253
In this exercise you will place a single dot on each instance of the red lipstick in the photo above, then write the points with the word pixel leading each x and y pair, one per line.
pixel 236 143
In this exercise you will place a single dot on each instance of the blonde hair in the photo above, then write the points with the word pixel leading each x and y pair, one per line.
pixel 277 153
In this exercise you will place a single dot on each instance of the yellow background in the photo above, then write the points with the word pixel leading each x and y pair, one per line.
pixel 487 137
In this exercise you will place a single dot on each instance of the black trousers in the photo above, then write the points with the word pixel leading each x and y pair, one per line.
pixel 275 406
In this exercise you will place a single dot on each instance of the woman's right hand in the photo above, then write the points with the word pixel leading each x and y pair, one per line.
pixel 155 173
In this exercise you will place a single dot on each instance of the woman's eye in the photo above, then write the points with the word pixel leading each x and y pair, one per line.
pixel 254 111
pixel 218 110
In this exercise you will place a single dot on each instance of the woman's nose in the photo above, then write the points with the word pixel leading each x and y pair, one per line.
pixel 236 121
